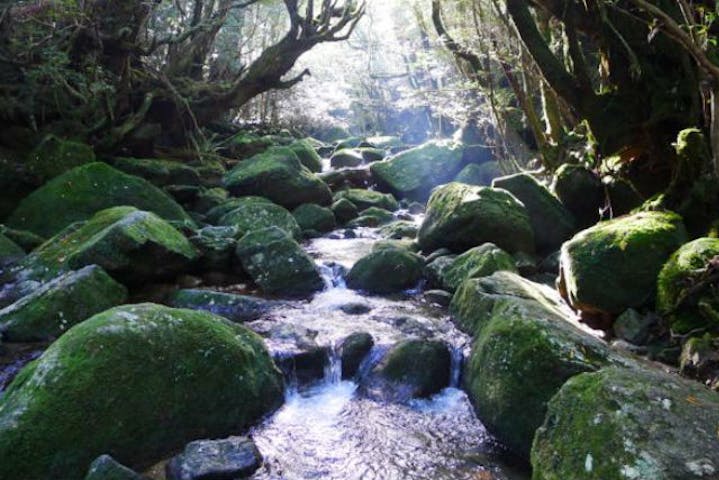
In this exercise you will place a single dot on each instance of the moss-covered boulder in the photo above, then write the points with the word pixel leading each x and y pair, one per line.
pixel 278 175
pixel 10 252
pixel 237 308
pixel 687 292
pixel 81 192
pixel 619 424
pixel 307 155
pixel 412 368
pixel 347 157
pixel 372 217
pixel 254 215
pixel 55 156
pixel 399 229
pixel 312 217
pixel 479 174
pixel 415 172
pixel 278 264
pixel 157 171
pixel 524 349
pixel 614 265
pixel 552 223
pixel 462 216
pixel 387 270
pixel 138 381
pixel 58 305
pixel 217 212
pixel 581 191
pixel 364 199
pixel 353 350
pixel 130 244
pixel 384 141
pixel 344 210
pixel 474 263
pixel 372 154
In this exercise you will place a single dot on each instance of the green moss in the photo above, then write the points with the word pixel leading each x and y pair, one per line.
pixel 524 350
pixel 277 263
pixel 346 157
pixel 422 365
pixel 253 215
pixel 278 175
pixel 399 229
pixel 462 216
pixel 415 172
pixel 311 217
pixel 370 154
pixel 364 199
pixel 158 172
pixel 551 222
pixel 79 193
pixel 344 210
pixel 372 217
pixel 580 190
pixel 59 304
pixel 307 154
pixel 624 424
pixel 614 265
pixel 137 381
pixel 686 296
pixel 26 240
pixel 10 252
pixel 237 308
pixel 482 175
pixel 210 198
pixel 476 262
pixel 216 213
pixel 126 242
pixel 54 156
pixel 387 270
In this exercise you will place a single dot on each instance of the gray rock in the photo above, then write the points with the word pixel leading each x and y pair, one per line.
pixel 107 468
pixel 353 350
pixel 634 327
pixel 230 458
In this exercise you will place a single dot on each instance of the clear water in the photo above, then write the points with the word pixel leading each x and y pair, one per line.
pixel 330 431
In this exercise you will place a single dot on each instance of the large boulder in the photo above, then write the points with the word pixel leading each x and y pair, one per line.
pixel 619 424
pixel 687 292
pixel 81 192
pixel 139 381
pixel 614 265
pixel 252 215
pixel 387 270
pixel 476 262
pixel 415 172
pixel 278 175
pixel 130 244
pixel 278 264
pixel 552 223
pixel 412 368
pixel 581 191
pixel 216 246
pixel 57 305
pixel 237 308
pixel 347 157
pixel 364 199
pixel 524 349
pixel 462 216
pixel 158 172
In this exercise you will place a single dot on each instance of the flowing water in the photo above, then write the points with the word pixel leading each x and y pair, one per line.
pixel 330 430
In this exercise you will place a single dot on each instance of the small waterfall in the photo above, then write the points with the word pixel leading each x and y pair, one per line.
pixel 333 368
pixel 457 359
pixel 333 275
